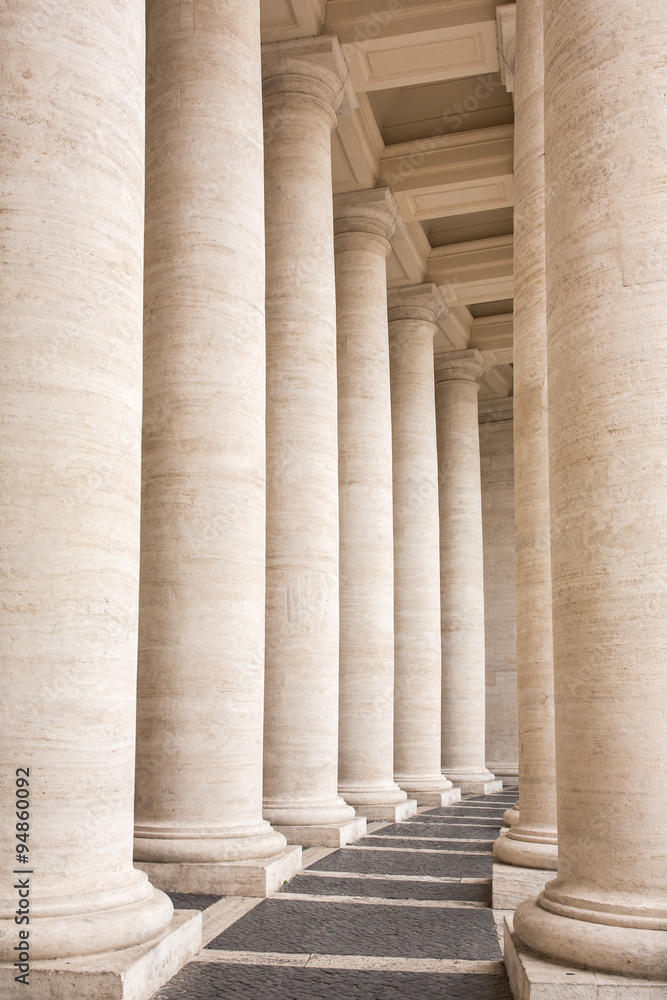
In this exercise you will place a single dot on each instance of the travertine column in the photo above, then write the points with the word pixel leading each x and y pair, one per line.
pixel 606 224
pixel 72 121
pixel 201 628
pixel 413 311
pixel 532 841
pixel 303 87
pixel 457 375
pixel 364 222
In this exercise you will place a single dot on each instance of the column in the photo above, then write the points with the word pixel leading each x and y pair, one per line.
pixel 364 222
pixel 532 840
pixel 457 375
pixel 201 627
pixel 413 311
pixel 72 118
pixel 304 84
pixel 606 231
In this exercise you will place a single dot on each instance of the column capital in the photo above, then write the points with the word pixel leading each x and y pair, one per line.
pixel 459 366
pixel 423 301
pixel 506 28
pixel 311 67
pixel 372 212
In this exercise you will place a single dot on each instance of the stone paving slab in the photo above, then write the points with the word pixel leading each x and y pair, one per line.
pixel 455 830
pixel 363 929
pixel 406 863
pixel 475 808
pixel 498 797
pixel 430 830
pixel 465 892
pixel 192 900
pixel 228 982
pixel 446 817
pixel 431 845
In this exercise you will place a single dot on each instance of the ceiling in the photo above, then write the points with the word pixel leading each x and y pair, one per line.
pixel 434 123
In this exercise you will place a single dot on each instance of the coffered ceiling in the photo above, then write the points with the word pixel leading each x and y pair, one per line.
pixel 434 123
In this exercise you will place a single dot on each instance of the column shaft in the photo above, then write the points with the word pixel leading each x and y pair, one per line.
pixel 201 636
pixel 364 222
pixel 72 120
pixel 606 181
pixel 457 376
pixel 532 840
pixel 413 311
pixel 301 704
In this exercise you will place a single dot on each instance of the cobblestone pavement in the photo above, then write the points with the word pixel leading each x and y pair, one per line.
pixel 403 914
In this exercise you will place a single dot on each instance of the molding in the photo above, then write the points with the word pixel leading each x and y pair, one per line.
pixel 282 19
pixel 372 212
pixel 506 30
pixel 440 53
pixel 494 337
pixel 356 148
pixel 356 21
pixel 320 59
pixel 408 260
pixel 451 175
pixel 454 332
pixel 479 271
pixel 452 140
pixel 497 381
pixel 422 301
pixel 459 366
pixel 496 411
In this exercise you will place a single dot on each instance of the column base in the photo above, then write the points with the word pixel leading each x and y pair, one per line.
pixel 480 787
pixel 394 814
pixel 437 799
pixel 526 853
pixel 327 835
pixel 504 770
pixel 256 877
pixel 511 816
pixel 513 885
pixel 132 974
pixel 533 977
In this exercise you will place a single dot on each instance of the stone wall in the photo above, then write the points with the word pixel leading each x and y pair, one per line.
pixel 497 457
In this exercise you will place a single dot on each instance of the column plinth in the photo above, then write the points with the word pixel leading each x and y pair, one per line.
pixel 364 222
pixel 201 626
pixel 606 232
pixel 72 121
pixel 457 375
pixel 304 85
pixel 413 311
pixel 532 840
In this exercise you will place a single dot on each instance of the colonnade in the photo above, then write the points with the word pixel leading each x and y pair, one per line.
pixel 295 547
pixel 591 508
pixel 246 544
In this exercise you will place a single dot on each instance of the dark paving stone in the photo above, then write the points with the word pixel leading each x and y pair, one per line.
pixel 297 927
pixel 476 808
pixel 405 863
pixel 192 900
pixel 485 818
pixel 431 845
pixel 500 797
pixel 252 982
pixel 455 830
pixel 441 815
pixel 388 889
pixel 422 830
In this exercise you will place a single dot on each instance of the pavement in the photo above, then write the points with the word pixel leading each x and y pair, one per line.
pixel 402 914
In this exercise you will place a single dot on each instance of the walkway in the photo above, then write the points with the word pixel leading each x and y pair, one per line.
pixel 403 913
